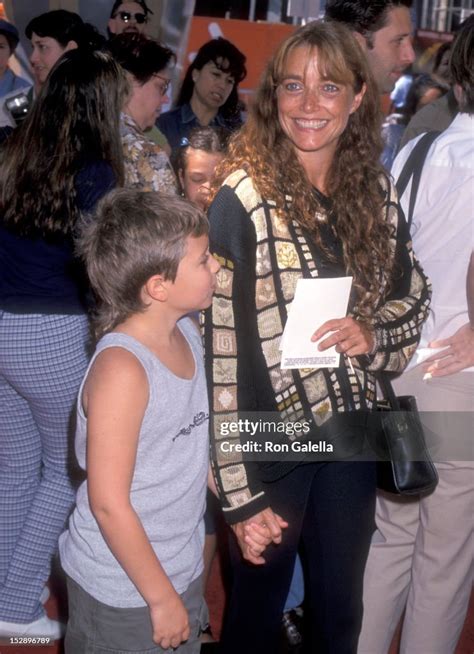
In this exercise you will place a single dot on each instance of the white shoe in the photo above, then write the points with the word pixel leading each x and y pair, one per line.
pixel 42 628
pixel 45 595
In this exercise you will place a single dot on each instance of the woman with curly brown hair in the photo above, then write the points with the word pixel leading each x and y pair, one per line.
pixel 303 196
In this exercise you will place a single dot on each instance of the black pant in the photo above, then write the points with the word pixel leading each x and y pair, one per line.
pixel 330 510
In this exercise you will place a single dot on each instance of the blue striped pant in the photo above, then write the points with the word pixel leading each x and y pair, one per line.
pixel 42 361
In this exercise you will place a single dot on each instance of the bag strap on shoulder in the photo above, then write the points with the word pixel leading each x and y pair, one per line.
pixel 413 168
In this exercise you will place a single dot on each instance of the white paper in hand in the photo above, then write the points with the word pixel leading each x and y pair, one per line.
pixel 316 301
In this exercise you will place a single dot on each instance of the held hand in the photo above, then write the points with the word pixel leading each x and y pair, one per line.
pixel 254 534
pixel 257 537
pixel 458 355
pixel 350 336
pixel 170 622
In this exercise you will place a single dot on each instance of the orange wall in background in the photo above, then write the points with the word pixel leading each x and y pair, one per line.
pixel 256 40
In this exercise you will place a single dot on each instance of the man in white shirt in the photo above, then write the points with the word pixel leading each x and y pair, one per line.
pixel 421 558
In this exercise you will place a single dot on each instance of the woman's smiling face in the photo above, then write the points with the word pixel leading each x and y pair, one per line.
pixel 313 110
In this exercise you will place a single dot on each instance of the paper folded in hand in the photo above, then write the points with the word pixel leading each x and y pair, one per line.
pixel 316 301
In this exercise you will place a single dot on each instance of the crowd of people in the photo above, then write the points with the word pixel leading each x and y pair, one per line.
pixel 133 327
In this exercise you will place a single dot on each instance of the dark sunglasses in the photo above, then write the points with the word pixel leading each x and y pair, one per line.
pixel 126 16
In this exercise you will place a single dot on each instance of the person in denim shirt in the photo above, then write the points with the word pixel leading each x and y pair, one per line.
pixel 208 95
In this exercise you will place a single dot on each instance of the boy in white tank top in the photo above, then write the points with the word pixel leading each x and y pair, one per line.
pixel 133 549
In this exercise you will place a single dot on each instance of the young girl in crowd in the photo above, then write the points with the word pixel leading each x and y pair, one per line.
pixel 61 160
pixel 195 162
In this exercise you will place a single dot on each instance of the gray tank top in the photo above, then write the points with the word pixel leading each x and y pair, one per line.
pixel 169 482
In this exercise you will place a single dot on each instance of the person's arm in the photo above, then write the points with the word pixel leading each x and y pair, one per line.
pixel 389 340
pixel 115 398
pixel 396 325
pixel 470 291
pixel 459 348
pixel 231 348
pixel 253 535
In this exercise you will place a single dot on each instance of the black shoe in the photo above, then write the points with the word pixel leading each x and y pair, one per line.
pixel 292 627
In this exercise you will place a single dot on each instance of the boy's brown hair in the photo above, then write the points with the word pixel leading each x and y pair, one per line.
pixel 133 236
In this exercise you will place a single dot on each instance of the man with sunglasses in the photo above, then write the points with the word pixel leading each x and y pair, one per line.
pixel 128 17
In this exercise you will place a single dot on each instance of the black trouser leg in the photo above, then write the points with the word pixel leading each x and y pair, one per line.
pixel 252 623
pixel 336 534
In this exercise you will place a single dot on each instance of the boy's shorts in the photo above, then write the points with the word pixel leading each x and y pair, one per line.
pixel 96 628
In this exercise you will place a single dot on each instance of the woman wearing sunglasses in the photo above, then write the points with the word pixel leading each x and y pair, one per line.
pixel 128 17
pixel 147 65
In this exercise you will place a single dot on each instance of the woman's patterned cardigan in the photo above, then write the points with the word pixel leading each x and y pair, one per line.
pixel 262 258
